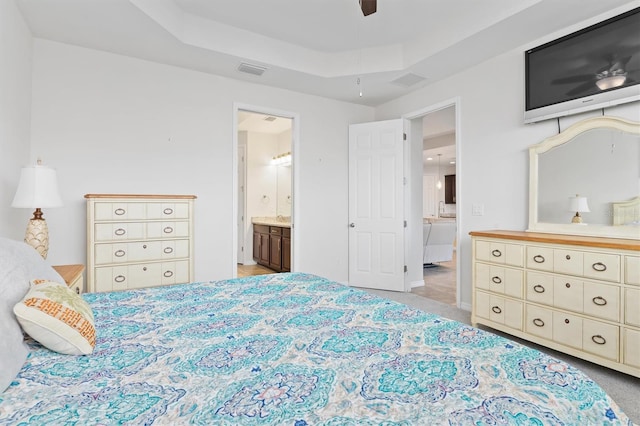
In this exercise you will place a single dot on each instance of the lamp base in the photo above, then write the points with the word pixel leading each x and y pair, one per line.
pixel 577 218
pixel 37 236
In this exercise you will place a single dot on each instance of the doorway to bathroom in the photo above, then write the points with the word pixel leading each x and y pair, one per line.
pixel 264 240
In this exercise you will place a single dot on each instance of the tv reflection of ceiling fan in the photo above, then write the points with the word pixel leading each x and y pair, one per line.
pixel 368 6
pixel 614 74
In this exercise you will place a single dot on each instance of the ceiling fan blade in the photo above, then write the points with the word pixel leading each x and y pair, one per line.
pixel 368 6
pixel 573 79
pixel 579 89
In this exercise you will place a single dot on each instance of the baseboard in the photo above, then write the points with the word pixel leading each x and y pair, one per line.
pixel 415 284
pixel 465 307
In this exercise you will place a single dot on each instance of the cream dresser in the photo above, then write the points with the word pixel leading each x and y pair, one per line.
pixel 575 294
pixel 136 241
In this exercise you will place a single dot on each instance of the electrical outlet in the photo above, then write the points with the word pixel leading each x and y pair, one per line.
pixel 477 210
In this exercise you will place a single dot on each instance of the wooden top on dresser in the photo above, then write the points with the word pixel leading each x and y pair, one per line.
pixel 577 240
pixel 139 196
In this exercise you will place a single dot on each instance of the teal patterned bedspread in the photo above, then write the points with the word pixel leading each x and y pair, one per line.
pixel 294 349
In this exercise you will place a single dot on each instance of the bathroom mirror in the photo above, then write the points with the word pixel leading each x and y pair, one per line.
pixel 283 193
pixel 598 159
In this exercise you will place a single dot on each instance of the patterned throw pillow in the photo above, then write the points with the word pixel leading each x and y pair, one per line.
pixel 57 317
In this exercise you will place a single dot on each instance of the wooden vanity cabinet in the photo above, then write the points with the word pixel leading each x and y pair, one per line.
pixel 272 247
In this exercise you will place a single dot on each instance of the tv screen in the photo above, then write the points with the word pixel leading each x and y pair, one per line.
pixel 595 67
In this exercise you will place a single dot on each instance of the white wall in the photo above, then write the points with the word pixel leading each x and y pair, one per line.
pixel 114 124
pixel 493 160
pixel 15 114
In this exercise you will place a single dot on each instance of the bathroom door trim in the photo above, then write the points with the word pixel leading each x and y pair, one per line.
pixel 295 143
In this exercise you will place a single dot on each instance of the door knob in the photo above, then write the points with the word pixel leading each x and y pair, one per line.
pixel 352 225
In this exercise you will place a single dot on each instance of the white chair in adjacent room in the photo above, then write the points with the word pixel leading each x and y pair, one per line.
pixel 438 242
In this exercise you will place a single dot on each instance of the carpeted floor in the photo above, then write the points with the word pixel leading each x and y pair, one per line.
pixel 623 388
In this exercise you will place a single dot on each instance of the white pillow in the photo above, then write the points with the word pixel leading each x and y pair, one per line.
pixel 19 263
pixel 57 317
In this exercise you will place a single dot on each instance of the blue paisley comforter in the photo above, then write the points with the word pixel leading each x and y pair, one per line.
pixel 294 349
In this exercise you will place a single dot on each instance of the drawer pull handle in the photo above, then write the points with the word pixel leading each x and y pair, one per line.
pixel 538 288
pixel 598 339
pixel 167 230
pixel 119 212
pixel 538 322
pixel 496 253
pixel 119 232
pixel 566 321
pixel 77 290
pixel 599 300
pixel 496 280
pixel 119 253
pixel 144 246
pixel 599 266
pixel 567 285
pixel 168 250
pixel 119 279
pixel 568 257
pixel 496 309
pixel 168 210
pixel 144 268
pixel 168 274
pixel 538 258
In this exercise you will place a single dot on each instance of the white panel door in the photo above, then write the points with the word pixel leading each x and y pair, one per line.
pixel 376 205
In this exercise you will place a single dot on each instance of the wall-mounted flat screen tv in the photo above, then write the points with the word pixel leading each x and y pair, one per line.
pixel 596 67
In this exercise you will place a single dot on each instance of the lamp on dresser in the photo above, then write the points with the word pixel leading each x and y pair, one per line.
pixel 38 189
pixel 579 205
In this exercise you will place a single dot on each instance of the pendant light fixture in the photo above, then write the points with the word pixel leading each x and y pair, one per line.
pixel 439 183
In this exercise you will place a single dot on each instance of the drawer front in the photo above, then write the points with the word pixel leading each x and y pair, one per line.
pixel 507 254
pixel 119 231
pixel 144 275
pixel 600 339
pixel 119 211
pixel 175 272
pixel 602 266
pixel 632 270
pixel 499 280
pixel 167 211
pixel 602 301
pixel 632 307
pixel 568 293
pixel 173 249
pixel 275 230
pixel 483 304
pixel 503 311
pixel 540 288
pixel 540 258
pixel 568 262
pixel 127 252
pixel 262 229
pixel 567 329
pixel 167 229
pixel 111 278
pixel 631 352
pixel 286 232
pixel 539 321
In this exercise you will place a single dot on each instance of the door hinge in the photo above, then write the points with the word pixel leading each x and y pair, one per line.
pixel 404 136
pixel 405 268
pixel 405 223
pixel 404 180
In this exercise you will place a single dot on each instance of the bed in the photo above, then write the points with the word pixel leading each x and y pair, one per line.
pixel 293 349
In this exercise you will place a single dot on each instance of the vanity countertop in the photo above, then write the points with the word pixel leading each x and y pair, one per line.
pixel 283 222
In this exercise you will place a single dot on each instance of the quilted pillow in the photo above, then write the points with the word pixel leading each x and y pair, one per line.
pixel 57 317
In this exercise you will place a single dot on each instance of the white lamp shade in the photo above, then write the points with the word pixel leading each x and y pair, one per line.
pixel 37 188
pixel 578 204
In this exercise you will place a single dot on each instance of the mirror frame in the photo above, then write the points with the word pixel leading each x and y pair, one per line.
pixel 615 123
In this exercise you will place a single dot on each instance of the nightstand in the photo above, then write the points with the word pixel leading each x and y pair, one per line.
pixel 73 276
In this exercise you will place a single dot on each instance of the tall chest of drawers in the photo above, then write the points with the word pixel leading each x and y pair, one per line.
pixel 136 241
pixel 579 295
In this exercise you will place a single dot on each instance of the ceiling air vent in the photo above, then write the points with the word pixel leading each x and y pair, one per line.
pixel 408 80
pixel 270 118
pixel 251 69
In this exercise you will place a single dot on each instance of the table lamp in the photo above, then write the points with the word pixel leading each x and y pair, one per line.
pixel 579 205
pixel 37 188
